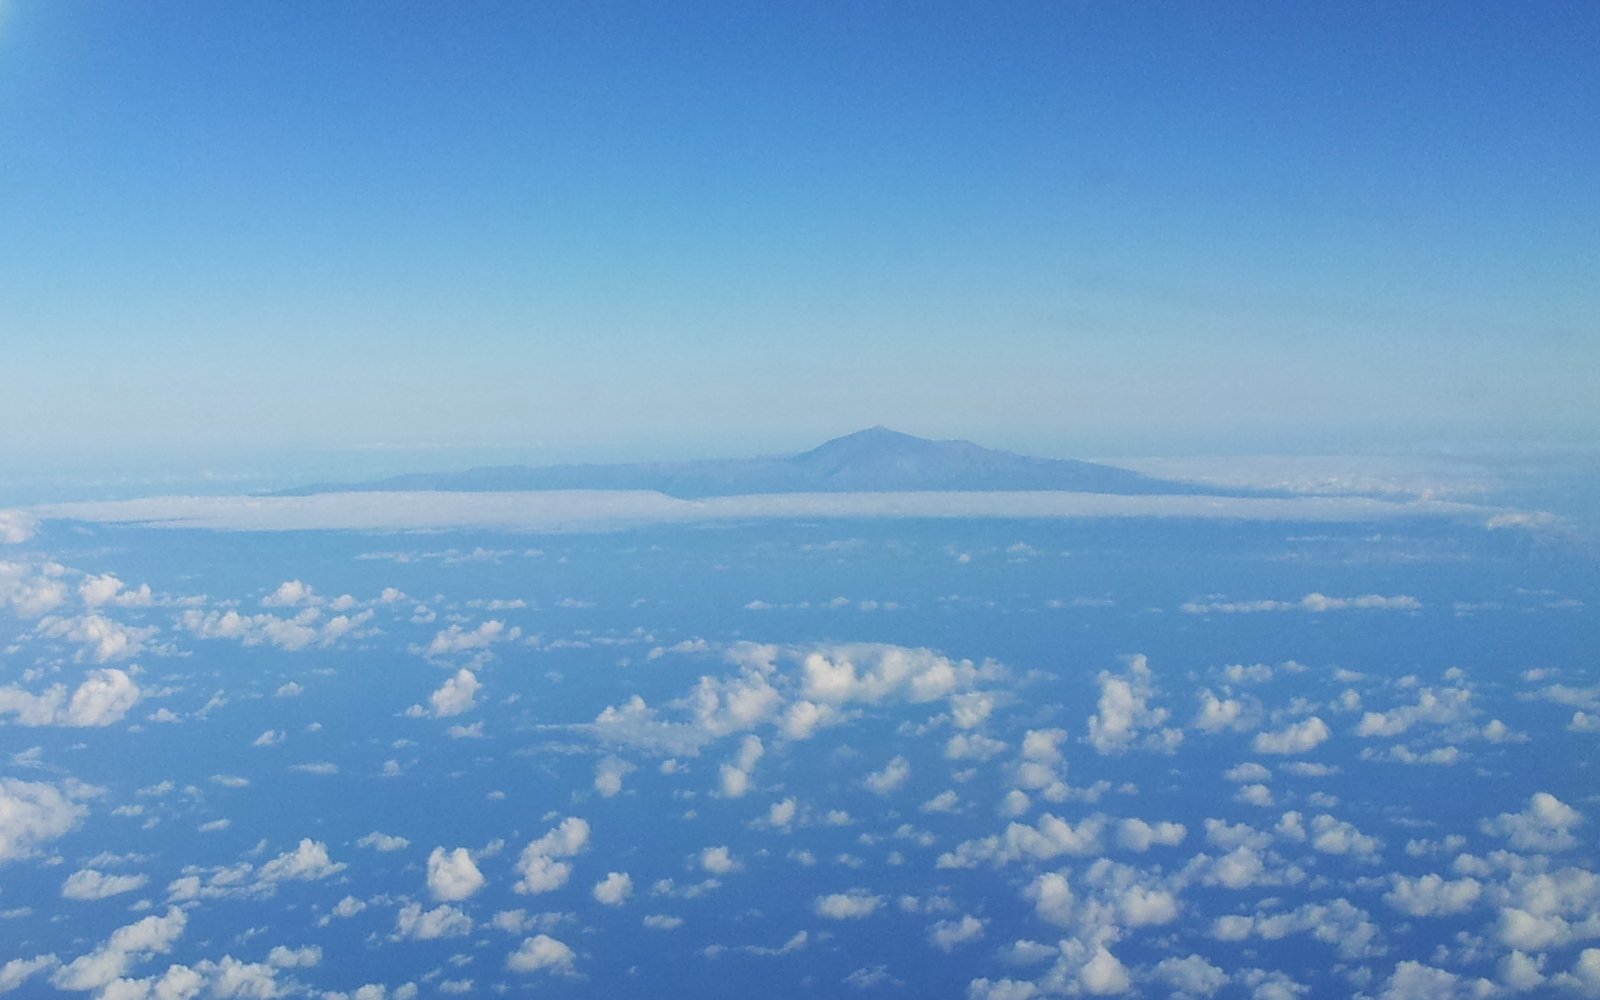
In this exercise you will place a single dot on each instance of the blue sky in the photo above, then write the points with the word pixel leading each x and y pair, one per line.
pixel 718 228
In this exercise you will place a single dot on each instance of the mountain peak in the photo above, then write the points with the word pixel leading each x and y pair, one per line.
pixel 875 459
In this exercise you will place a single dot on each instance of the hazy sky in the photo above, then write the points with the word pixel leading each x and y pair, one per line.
pixel 738 226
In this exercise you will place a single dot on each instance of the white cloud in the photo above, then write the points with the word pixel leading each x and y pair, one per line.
pixel 1125 713
pixel 1137 835
pixel 735 776
pixel 1585 974
pixel 92 884
pixel 442 921
pixel 1104 974
pixel 290 593
pixel 308 862
pixel 456 695
pixel 875 673
pixel 608 775
pixel 306 629
pixel 1297 738
pixel 1415 981
pixel 28 592
pixel 796 690
pixel 17 526
pixel 152 935
pixel 102 639
pixel 542 953
pixel 104 698
pixel 539 866
pixel 383 842
pixel 852 905
pixel 1545 825
pixel 456 640
pixel 780 814
pixel 947 935
pixel 719 861
pixel 32 814
pixel 1001 989
pixel 1192 976
pixel 1432 896
pixel 614 889
pixel 892 776
pixel 1339 923
pixel 601 510
pixel 19 970
pixel 1436 707
pixel 946 801
pixel 1312 602
pixel 1333 836
pixel 452 875
pixel 973 746
pixel 307 957
pixel 1049 838
pixel 1219 714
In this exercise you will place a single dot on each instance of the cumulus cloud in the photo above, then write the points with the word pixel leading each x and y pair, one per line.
pixel 1049 838
pixel 1431 895
pixel 1340 923
pixel 31 591
pixel 33 814
pixel 443 921
pixel 542 953
pixel 308 862
pixel 17 527
pixel 1299 737
pixel 735 776
pixel 290 593
pixel 19 970
pixel 1312 602
pixel 797 691
pixel 104 697
pixel 102 639
pixel 1218 715
pixel 91 884
pixel 152 935
pixel 106 588
pixel 1137 835
pixel 306 629
pixel 1125 717
pixel 1192 976
pixel 875 673
pixel 383 842
pixel 540 865
pixel 614 889
pixel 452 875
pixel 1545 825
pixel 947 935
pixel 455 639
pixel 456 695
pixel 1334 836
pixel 608 775
pixel 892 776
pixel 719 861
pixel 851 905
pixel 781 813
pixel 1440 707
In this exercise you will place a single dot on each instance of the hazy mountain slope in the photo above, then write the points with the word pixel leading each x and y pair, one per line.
pixel 877 459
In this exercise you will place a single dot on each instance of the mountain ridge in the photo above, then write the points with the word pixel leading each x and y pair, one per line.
pixel 877 459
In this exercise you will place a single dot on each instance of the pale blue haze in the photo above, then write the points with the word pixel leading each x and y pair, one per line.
pixel 637 229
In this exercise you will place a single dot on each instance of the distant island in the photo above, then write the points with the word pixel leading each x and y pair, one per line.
pixel 869 461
